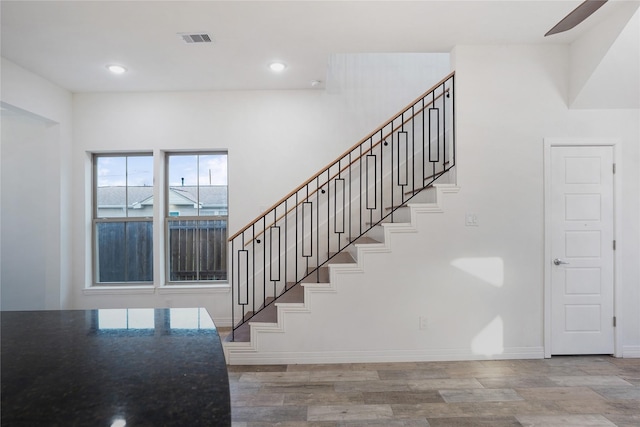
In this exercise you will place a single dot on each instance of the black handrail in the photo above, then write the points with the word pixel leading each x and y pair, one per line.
pixel 360 189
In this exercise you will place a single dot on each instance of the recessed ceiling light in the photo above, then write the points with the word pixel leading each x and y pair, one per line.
pixel 277 66
pixel 116 69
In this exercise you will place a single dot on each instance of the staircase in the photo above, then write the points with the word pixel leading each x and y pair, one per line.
pixel 346 208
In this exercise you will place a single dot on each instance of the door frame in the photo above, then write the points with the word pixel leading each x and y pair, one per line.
pixel 549 143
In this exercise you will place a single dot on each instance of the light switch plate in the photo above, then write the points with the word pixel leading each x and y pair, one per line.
pixel 424 323
pixel 471 220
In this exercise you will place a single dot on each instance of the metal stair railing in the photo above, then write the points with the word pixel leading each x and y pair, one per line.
pixel 359 190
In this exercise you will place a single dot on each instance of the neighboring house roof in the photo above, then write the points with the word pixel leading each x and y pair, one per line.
pixel 115 195
pixel 209 196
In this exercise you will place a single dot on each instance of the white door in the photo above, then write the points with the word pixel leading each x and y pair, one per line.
pixel 582 246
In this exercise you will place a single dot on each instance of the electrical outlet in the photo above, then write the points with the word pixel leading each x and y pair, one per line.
pixel 424 324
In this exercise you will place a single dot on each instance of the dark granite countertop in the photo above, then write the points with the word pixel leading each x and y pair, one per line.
pixel 142 367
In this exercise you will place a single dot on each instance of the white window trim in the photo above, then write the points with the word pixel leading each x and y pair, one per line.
pixel 195 285
pixel 160 283
pixel 94 283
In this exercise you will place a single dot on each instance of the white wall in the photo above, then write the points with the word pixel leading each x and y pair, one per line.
pixel 605 62
pixel 24 143
pixel 508 97
pixel 479 288
pixel 36 173
pixel 275 141
pixel 507 194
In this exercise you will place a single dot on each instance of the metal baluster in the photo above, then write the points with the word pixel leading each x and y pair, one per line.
pixel 306 270
pixel 233 300
pixel 328 192
pixel 413 153
pixel 375 187
pixel 274 229
pixel 253 266
pixel 339 227
pixel 317 229
pixel 264 261
pixel 424 146
pixel 360 197
pixel 453 121
pixel 286 241
pixel 391 167
pixel 350 200
pixel 381 180
pixel 296 244
pixel 444 128
pixel 433 173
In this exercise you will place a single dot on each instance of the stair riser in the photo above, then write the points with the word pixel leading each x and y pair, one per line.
pixel 402 215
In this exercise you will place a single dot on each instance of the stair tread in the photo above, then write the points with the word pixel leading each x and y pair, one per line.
pixel 403 205
pixel 268 315
pixel 293 295
pixel 341 258
pixel 264 315
pixel 365 240
pixel 322 276
pixel 241 334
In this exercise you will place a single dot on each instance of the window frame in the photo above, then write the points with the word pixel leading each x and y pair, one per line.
pixel 96 219
pixel 169 217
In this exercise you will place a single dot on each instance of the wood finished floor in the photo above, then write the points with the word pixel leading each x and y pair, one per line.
pixel 561 391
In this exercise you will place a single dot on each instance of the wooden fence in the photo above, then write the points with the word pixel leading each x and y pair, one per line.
pixel 197 250
pixel 125 251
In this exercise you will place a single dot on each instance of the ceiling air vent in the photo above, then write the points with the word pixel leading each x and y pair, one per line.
pixel 195 37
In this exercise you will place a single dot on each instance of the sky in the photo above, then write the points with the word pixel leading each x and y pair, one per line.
pixel 203 169
pixel 210 169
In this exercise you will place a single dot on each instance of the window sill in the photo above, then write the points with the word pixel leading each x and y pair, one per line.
pixel 194 288
pixel 149 290
pixel 119 290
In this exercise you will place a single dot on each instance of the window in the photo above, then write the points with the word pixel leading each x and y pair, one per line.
pixel 196 221
pixel 196 205
pixel 123 218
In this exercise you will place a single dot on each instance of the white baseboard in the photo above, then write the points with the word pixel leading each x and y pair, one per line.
pixel 277 358
pixel 631 351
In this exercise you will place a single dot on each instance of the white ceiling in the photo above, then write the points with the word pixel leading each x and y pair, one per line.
pixel 71 42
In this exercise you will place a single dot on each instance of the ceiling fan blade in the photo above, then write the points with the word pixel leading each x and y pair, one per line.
pixel 578 15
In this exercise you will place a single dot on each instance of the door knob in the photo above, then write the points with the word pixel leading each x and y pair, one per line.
pixel 558 261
